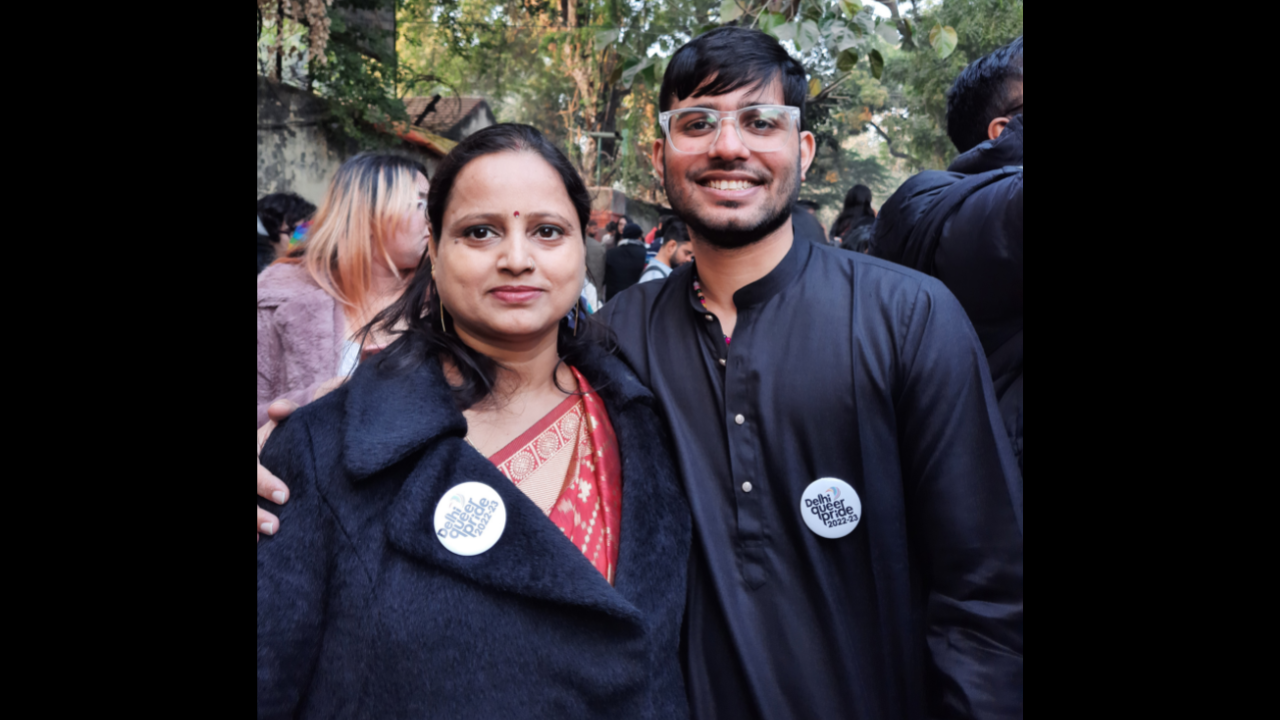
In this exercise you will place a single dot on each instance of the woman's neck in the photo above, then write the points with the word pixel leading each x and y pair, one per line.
pixel 529 368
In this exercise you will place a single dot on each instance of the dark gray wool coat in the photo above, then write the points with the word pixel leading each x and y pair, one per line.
pixel 363 613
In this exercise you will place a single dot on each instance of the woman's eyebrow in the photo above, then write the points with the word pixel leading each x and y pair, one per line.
pixel 478 217
pixel 549 215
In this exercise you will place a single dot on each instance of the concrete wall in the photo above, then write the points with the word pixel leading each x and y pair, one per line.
pixel 294 154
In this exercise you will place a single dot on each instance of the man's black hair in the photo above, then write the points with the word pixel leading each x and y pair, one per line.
pixel 675 229
pixel 735 57
pixel 985 90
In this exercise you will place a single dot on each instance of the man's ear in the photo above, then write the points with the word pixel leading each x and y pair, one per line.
pixel 996 127
pixel 658 160
pixel 808 146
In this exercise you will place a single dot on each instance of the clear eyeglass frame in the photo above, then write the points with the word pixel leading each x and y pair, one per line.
pixel 664 119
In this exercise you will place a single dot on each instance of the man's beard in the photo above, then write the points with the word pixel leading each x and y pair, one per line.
pixel 733 235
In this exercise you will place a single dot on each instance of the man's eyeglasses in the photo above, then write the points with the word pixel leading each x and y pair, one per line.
pixel 761 128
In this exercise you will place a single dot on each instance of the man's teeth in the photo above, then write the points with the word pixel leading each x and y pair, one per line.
pixel 729 184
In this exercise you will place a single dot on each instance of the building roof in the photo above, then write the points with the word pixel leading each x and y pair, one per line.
pixel 446 114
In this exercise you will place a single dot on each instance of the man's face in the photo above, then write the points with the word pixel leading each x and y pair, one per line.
pixel 682 255
pixel 698 185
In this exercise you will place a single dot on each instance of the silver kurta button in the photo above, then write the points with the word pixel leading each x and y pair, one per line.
pixel 709 318
pixel 739 419
pixel 746 486
pixel 722 361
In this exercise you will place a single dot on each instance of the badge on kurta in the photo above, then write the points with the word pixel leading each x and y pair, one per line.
pixel 470 518
pixel 830 507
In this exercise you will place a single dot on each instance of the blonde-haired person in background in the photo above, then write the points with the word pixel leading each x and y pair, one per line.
pixel 365 242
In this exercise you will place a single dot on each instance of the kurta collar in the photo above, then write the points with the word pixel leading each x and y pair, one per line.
pixel 760 291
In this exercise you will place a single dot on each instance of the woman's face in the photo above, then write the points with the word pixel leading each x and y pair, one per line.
pixel 406 246
pixel 510 259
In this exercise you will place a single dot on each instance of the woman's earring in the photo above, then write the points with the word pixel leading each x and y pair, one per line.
pixel 440 299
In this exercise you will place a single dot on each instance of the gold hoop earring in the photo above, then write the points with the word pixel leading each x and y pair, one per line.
pixel 440 299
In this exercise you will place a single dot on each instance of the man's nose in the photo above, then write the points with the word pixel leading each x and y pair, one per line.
pixel 728 145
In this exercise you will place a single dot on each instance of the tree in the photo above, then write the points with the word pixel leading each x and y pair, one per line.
pixel 587 73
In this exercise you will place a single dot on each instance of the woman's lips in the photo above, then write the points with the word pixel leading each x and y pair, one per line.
pixel 515 294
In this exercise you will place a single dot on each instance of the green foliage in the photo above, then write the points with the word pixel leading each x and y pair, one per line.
pixel 943 40
pixel 918 120
pixel 867 80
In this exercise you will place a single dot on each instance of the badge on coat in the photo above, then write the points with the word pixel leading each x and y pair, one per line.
pixel 470 518
pixel 831 507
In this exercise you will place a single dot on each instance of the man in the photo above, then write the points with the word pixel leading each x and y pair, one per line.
pixel 674 252
pixel 595 266
pixel 857 513
pixel 964 226
pixel 657 232
pixel 624 263
pixel 791 373
pixel 804 218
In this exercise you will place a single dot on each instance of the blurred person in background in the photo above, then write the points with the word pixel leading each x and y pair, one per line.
pixel 812 207
pixel 853 227
pixel 624 263
pixel 805 224
pixel 366 239
pixel 676 250
pixel 964 225
pixel 654 238
pixel 595 270
pixel 280 217
pixel 610 237
pixel 482 524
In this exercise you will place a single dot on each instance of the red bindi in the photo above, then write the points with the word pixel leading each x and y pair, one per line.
pixel 517 213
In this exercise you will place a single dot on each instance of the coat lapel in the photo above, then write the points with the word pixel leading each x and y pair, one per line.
pixel 391 415
pixel 532 558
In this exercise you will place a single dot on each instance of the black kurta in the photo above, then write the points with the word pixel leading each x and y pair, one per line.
pixel 843 366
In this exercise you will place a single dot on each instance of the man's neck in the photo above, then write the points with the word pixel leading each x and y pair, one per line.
pixel 724 271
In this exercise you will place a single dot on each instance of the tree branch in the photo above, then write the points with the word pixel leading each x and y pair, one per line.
pixel 888 141
pixel 901 24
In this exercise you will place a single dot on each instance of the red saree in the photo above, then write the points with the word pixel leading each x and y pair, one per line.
pixel 568 464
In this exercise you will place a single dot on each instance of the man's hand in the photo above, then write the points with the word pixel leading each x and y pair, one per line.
pixel 269 486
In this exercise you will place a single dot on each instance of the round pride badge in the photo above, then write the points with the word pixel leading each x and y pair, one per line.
pixel 831 507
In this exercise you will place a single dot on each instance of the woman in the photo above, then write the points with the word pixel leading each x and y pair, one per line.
pixel 481 524
pixel 363 245
pixel 853 227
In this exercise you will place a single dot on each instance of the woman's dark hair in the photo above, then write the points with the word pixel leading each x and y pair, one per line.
pixel 857 211
pixel 416 315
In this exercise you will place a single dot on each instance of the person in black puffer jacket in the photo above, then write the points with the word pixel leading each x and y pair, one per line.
pixel 964 225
